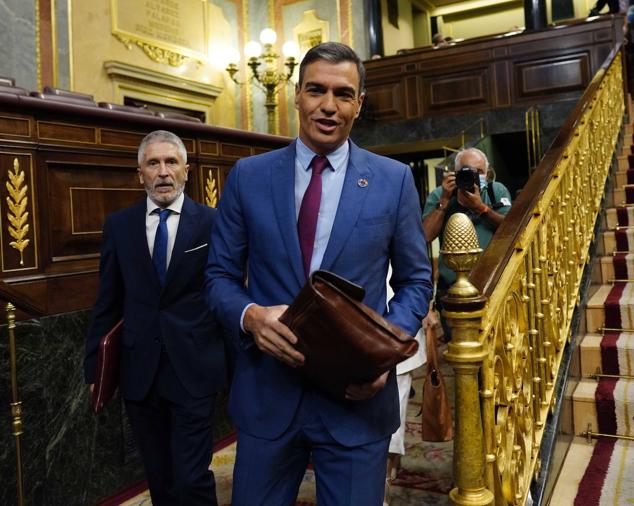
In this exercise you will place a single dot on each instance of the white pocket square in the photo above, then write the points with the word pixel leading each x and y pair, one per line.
pixel 194 249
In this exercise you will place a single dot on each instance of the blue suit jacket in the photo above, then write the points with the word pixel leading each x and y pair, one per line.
pixel 257 223
pixel 175 315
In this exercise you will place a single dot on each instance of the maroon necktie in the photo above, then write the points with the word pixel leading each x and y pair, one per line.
pixel 309 210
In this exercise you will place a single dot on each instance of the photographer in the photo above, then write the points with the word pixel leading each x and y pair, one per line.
pixel 468 191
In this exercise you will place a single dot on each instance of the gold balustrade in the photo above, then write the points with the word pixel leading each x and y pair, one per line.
pixel 509 335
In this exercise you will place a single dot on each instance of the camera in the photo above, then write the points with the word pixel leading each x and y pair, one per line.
pixel 467 178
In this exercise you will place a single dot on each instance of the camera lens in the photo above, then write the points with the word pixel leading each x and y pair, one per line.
pixel 467 178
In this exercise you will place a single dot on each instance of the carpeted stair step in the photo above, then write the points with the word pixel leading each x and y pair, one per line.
pixel 621 216
pixel 605 406
pixel 595 473
pixel 611 306
pixel 617 240
pixel 623 195
pixel 612 353
pixel 616 267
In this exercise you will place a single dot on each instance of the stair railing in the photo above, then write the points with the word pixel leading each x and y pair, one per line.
pixel 533 138
pixel 510 328
pixel 15 299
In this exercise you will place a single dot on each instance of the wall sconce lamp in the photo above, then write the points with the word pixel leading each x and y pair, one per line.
pixel 265 73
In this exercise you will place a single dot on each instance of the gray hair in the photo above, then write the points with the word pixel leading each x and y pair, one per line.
pixel 161 136
pixel 333 52
pixel 462 152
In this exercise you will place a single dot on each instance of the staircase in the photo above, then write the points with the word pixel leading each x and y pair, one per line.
pixel 599 469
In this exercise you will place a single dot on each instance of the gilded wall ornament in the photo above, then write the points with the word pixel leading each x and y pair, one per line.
pixel 157 54
pixel 211 191
pixel 18 215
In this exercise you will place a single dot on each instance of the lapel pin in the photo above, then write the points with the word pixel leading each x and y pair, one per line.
pixel 362 183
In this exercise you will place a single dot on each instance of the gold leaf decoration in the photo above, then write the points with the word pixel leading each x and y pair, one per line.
pixel 160 55
pixel 211 192
pixel 157 54
pixel 17 215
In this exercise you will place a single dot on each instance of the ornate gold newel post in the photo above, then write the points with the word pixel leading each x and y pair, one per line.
pixel 16 405
pixel 463 307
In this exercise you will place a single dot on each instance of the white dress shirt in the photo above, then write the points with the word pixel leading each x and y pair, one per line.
pixel 152 220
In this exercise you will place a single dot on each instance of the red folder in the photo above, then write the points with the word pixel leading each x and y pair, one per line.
pixel 107 376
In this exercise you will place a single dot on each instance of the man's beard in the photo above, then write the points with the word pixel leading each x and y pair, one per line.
pixel 165 199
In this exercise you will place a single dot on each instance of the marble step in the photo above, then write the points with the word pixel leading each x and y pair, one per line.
pixel 584 406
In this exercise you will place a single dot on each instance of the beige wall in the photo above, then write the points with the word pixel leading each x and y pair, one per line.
pixel 477 18
pixel 93 44
pixel 401 37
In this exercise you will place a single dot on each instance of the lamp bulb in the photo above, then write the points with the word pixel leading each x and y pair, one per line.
pixel 252 49
pixel 290 49
pixel 268 36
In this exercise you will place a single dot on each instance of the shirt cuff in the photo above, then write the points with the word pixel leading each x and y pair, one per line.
pixel 242 316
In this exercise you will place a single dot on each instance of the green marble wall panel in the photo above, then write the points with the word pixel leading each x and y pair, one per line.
pixel 71 457
pixel 63 44
pixel 17 42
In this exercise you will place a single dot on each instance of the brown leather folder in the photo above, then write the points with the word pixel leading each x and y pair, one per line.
pixel 342 339
pixel 107 374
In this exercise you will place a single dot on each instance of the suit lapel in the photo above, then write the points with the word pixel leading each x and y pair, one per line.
pixel 283 191
pixel 186 226
pixel 138 242
pixel 353 194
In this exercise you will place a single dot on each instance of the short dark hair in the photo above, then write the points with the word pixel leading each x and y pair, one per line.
pixel 333 52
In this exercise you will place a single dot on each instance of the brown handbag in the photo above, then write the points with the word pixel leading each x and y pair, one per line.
pixel 436 412
pixel 343 340
pixel 107 373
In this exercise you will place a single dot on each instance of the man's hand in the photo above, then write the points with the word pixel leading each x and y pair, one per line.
pixel 471 200
pixel 448 186
pixel 270 335
pixel 92 388
pixel 364 391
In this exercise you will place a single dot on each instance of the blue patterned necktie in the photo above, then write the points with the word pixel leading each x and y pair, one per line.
pixel 159 254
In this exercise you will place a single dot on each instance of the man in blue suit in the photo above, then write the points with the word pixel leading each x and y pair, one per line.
pixel 319 203
pixel 172 357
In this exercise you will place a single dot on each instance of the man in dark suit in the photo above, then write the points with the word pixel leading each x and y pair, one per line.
pixel 321 202
pixel 172 359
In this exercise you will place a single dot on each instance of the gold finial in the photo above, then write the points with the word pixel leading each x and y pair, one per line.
pixel 460 252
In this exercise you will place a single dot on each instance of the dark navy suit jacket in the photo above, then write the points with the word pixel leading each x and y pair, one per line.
pixel 378 220
pixel 175 317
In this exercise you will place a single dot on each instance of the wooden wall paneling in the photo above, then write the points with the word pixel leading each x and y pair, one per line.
pixel 16 126
pixel 121 138
pixel 412 99
pixel 65 133
pixel 208 147
pixel 519 70
pixel 234 151
pixel 386 100
pixel 560 74
pixel 502 84
pixel 82 161
pixel 80 195
pixel 455 90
